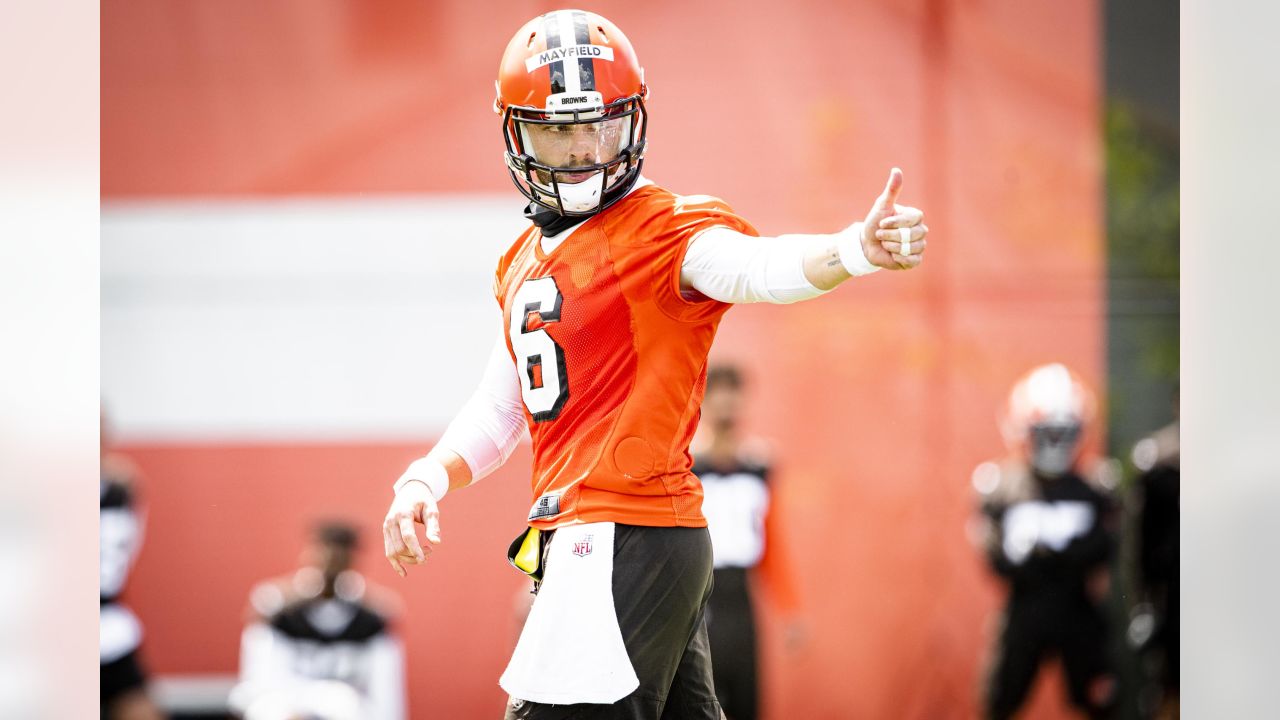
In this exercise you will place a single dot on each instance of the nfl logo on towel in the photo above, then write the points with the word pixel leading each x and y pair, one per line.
pixel 582 548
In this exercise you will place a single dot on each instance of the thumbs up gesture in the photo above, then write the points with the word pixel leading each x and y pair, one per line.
pixel 893 235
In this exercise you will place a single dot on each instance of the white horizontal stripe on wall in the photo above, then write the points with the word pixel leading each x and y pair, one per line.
pixel 297 319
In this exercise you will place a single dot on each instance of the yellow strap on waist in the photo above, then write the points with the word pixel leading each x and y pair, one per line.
pixel 529 557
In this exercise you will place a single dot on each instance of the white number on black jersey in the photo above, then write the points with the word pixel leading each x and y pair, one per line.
pixel 544 385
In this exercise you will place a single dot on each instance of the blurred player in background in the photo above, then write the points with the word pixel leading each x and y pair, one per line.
pixel 123 680
pixel 610 301
pixel 741 510
pixel 1047 528
pixel 318 643
pixel 1157 458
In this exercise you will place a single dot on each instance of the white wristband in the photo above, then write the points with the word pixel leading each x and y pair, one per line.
pixel 849 245
pixel 429 472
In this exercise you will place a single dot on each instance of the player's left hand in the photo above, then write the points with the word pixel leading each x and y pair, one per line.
pixel 413 505
pixel 883 229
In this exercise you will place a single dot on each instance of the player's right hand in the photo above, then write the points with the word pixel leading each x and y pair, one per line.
pixel 413 504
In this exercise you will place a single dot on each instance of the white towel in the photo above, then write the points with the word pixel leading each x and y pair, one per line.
pixel 571 648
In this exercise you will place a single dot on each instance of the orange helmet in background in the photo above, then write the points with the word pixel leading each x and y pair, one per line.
pixel 572 77
pixel 1046 416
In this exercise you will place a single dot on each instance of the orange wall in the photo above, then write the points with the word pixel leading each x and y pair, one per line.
pixel 881 398
pixel 221 518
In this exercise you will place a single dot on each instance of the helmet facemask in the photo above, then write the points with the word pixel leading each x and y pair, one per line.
pixel 1053 446
pixel 576 162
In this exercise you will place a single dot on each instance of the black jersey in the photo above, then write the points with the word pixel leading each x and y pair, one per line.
pixel 1159 531
pixel 1159 561
pixel 735 503
pixel 317 640
pixel 119 631
pixel 118 537
pixel 1051 534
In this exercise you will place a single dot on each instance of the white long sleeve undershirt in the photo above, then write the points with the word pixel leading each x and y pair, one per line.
pixel 489 426
pixel 726 265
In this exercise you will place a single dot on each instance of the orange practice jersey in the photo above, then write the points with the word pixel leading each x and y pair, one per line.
pixel 612 360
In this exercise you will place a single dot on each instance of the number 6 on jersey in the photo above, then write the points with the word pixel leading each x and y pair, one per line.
pixel 544 384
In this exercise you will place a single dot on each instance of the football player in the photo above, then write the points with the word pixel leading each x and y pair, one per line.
pixel 1158 461
pixel 319 644
pixel 122 677
pixel 609 301
pixel 1046 526
pixel 741 509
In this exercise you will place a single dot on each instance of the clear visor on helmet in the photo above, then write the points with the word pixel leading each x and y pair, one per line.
pixel 576 145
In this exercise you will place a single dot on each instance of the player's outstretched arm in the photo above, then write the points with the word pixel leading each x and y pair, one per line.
pixel 726 265
pixel 477 442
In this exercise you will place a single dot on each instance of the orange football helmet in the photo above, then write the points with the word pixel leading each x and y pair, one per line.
pixel 1046 416
pixel 571 94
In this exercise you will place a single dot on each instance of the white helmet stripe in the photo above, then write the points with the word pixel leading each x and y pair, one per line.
pixel 582 36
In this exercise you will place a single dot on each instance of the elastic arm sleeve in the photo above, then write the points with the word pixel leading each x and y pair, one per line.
pixel 490 424
pixel 731 267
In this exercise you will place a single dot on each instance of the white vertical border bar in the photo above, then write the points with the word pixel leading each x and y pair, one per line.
pixel 49 74
pixel 1230 355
